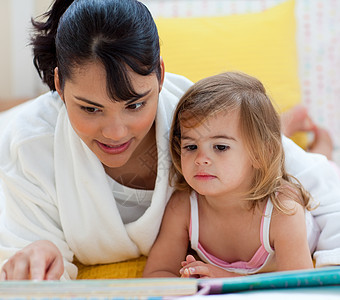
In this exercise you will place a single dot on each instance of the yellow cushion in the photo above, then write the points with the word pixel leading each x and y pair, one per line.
pixel 260 44
pixel 128 269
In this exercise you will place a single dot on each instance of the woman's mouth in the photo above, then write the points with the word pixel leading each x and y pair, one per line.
pixel 114 149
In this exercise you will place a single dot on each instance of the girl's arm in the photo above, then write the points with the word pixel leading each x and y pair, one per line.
pixel 171 245
pixel 288 236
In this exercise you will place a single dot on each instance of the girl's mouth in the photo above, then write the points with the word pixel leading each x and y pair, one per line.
pixel 204 176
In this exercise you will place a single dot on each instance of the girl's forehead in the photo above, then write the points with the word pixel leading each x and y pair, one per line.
pixel 224 124
pixel 219 123
pixel 193 119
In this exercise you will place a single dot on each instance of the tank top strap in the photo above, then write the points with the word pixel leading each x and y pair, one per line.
pixel 194 223
pixel 265 226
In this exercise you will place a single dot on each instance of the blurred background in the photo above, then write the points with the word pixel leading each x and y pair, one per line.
pixel 18 78
pixel 317 35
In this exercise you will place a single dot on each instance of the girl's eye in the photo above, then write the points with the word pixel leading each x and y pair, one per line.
pixel 89 109
pixel 221 147
pixel 135 106
pixel 190 147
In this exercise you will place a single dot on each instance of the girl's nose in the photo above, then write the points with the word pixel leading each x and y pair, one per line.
pixel 202 159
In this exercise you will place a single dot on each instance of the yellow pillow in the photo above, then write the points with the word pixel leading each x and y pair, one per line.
pixel 260 44
pixel 127 269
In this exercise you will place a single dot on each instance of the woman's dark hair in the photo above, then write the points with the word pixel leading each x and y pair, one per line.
pixel 119 34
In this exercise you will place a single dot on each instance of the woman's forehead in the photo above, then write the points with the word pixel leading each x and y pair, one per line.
pixel 93 76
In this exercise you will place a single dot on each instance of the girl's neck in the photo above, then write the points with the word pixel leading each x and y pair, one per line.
pixel 225 204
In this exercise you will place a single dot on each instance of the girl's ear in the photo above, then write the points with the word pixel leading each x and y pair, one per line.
pixel 162 73
pixel 57 84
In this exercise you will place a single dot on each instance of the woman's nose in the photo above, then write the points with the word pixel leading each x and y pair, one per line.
pixel 115 129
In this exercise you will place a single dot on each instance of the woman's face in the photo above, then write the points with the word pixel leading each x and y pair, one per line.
pixel 112 130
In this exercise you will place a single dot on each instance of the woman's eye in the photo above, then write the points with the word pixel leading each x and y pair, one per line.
pixel 136 106
pixel 89 109
pixel 221 147
pixel 190 147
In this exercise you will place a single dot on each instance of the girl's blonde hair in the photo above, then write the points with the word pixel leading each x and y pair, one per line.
pixel 260 128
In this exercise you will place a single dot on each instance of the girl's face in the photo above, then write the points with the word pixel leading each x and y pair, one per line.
pixel 214 159
pixel 112 130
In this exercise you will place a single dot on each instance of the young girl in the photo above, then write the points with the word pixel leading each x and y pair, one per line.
pixel 235 203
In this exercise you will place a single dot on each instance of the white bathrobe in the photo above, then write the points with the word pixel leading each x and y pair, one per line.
pixel 53 187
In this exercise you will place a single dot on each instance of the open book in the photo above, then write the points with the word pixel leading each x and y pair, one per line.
pixel 165 287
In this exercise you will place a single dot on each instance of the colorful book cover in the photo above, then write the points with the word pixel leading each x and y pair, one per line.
pixel 329 276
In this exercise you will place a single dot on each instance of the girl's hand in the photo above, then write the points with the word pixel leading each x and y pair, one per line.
pixel 184 272
pixel 189 259
pixel 40 260
pixel 198 269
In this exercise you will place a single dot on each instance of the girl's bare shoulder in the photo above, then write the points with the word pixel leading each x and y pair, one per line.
pixel 179 201
pixel 290 220
pixel 290 205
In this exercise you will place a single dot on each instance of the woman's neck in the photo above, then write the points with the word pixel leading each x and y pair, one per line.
pixel 140 171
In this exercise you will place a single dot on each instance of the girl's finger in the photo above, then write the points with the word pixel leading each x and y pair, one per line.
pixel 190 258
pixel 201 271
pixel 184 263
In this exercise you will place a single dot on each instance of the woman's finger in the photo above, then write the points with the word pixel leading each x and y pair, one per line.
pixel 3 275
pixel 19 269
pixel 55 270
pixel 37 269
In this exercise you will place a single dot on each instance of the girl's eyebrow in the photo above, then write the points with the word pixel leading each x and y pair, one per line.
pixel 184 137
pixel 226 137
pixel 223 137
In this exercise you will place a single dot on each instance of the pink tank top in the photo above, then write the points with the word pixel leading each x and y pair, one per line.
pixel 262 256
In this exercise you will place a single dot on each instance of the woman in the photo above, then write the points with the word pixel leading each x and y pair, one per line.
pixel 86 168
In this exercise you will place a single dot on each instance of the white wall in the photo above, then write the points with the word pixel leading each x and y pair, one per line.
pixel 5 70
pixel 18 77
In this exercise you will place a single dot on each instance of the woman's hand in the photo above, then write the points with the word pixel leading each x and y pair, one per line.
pixel 198 269
pixel 40 260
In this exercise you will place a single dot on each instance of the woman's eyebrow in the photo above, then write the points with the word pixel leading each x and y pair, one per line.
pixel 102 106
pixel 88 101
pixel 140 96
